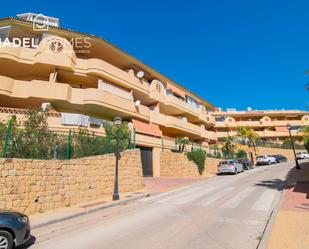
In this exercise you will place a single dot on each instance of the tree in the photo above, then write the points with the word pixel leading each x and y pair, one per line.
pixel 242 133
pixel 306 137
pixel 182 142
pixel 252 136
pixel 228 148
pixel 35 141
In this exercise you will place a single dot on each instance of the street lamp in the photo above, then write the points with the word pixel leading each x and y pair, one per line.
pixel 292 142
pixel 117 123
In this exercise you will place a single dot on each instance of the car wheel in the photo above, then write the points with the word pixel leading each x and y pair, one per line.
pixel 6 240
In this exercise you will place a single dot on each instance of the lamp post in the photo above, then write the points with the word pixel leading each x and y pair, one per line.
pixel 117 123
pixel 292 142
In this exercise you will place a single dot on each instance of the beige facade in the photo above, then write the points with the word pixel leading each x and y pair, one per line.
pixel 81 73
pixel 269 125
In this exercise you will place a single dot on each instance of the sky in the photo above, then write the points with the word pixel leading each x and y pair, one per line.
pixel 233 53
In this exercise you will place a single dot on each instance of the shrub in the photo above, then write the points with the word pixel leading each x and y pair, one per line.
pixel 287 143
pixel 198 156
pixel 241 154
pixel 306 143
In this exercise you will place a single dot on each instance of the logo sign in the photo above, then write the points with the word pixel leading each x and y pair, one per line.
pixel 40 21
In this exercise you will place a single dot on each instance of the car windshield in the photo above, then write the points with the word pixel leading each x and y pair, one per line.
pixel 227 162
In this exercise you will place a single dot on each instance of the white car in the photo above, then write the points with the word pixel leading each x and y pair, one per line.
pixel 302 155
pixel 265 160
pixel 230 166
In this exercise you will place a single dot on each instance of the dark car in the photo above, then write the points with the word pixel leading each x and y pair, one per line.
pixel 14 229
pixel 280 158
pixel 246 163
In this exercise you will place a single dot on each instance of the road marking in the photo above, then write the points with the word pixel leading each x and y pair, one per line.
pixel 216 196
pixel 264 202
pixel 185 197
pixel 237 221
pixel 237 199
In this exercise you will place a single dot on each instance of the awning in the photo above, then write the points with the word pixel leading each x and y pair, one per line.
pixel 176 90
pixel 281 128
pixel 147 128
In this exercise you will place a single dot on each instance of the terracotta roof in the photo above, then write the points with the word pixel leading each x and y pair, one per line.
pixel 281 128
pixel 147 128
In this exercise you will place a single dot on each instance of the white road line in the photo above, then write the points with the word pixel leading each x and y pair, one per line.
pixel 237 199
pixel 216 196
pixel 188 196
pixel 237 221
pixel 264 202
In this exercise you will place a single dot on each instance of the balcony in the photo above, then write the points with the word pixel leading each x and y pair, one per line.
pixel 269 134
pixel 68 61
pixel 64 97
pixel 180 105
pixel 182 127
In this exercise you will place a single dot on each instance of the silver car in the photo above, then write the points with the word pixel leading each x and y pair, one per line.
pixel 230 166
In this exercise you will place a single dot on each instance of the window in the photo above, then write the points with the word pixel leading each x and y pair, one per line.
pixel 193 102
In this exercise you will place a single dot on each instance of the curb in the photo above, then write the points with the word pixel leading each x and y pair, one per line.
pixel 118 203
pixel 82 213
pixel 263 243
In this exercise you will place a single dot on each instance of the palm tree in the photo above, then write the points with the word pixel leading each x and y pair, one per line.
pixel 241 132
pixel 228 148
pixel 252 136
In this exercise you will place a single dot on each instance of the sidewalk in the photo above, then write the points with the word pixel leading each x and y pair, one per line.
pixel 291 226
pixel 153 185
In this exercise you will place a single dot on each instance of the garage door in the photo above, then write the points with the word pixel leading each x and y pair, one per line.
pixel 146 156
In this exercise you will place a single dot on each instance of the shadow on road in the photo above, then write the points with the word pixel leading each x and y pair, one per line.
pixel 273 184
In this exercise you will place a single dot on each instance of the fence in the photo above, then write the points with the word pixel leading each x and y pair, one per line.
pixel 262 143
pixel 18 142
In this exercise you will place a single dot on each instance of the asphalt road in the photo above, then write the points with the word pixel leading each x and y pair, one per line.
pixel 222 212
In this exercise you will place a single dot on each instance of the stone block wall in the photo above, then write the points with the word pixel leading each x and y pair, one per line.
pixel 34 186
pixel 176 165
pixel 211 166
pixel 288 153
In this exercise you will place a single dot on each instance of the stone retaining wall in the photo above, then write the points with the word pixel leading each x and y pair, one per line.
pixel 211 166
pixel 288 153
pixel 33 186
pixel 176 165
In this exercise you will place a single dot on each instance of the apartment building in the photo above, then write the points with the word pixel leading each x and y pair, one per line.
pixel 82 74
pixel 270 125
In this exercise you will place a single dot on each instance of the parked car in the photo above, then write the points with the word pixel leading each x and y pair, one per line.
pixel 265 160
pixel 14 229
pixel 230 166
pixel 246 163
pixel 280 158
pixel 302 155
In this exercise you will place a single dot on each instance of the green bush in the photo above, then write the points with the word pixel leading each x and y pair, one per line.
pixel 306 143
pixel 241 154
pixel 35 141
pixel 198 156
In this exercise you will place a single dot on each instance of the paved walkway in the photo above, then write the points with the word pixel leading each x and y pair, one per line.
pixel 153 185
pixel 291 226
pixel 162 184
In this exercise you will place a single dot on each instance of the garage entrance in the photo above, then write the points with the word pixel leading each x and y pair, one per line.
pixel 146 157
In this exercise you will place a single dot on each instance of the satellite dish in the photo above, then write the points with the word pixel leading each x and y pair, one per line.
pixel 137 103
pixel 140 74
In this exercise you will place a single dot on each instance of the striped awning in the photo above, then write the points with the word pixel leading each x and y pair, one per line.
pixel 147 128
pixel 281 128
